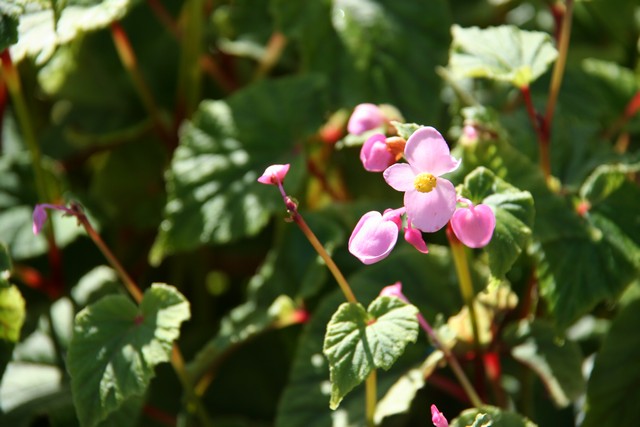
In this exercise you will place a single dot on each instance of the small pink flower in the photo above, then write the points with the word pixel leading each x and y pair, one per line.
pixel 375 154
pixel 373 238
pixel 429 200
pixel 474 225
pixel 274 174
pixel 365 117
pixel 40 214
pixel 437 418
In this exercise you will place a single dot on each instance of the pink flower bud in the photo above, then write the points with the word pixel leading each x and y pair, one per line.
pixel 437 418
pixel 394 290
pixel 474 225
pixel 274 174
pixel 365 117
pixel 373 238
pixel 39 218
pixel 375 154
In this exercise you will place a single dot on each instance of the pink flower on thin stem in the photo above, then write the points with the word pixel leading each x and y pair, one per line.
pixel 437 418
pixel 394 290
pixel 274 175
pixel 375 155
pixel 473 225
pixel 40 214
pixel 365 117
pixel 429 199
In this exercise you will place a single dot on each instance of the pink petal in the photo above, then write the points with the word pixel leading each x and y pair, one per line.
pixel 474 226
pixel 414 237
pixel 365 117
pixel 400 177
pixel 274 174
pixel 437 418
pixel 394 290
pixel 427 151
pixel 373 238
pixel 39 218
pixel 375 155
pixel 431 211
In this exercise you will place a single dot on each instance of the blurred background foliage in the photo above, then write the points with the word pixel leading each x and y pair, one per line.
pixel 157 116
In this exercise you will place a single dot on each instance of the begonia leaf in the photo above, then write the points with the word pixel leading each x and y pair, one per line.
pixel 305 399
pixel 556 360
pixel 372 44
pixel 504 53
pixel 514 213
pixel 39 34
pixel 12 314
pixel 612 389
pixel 359 341
pixel 576 267
pixel 213 196
pixel 490 416
pixel 116 347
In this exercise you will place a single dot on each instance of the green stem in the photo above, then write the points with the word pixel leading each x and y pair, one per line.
pixel 333 268
pixel 453 363
pixel 189 78
pixel 371 397
pixel 130 63
pixel 272 54
pixel 559 66
pixel 459 254
pixel 12 80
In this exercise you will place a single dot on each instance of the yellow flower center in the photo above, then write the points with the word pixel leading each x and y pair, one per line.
pixel 424 182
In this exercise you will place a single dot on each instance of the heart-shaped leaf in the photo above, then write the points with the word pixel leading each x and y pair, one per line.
pixel 116 346
pixel 359 341
pixel 504 53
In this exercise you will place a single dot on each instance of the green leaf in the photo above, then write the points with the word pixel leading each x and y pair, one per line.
pixel 39 34
pixel 12 314
pixel 213 193
pixel 304 401
pixel 358 341
pixel 405 130
pixel 556 360
pixel 116 346
pixel 612 392
pixel 504 53
pixel 5 266
pixel 514 216
pixel 577 267
pixel 490 416
pixel 373 47
pixel 9 18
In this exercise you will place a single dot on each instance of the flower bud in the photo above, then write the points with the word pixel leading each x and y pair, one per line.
pixel 365 117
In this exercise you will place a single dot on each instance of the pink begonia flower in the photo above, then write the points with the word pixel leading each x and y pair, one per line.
pixel 437 418
pixel 274 174
pixel 414 237
pixel 473 225
pixel 429 199
pixel 375 154
pixel 365 117
pixel 374 237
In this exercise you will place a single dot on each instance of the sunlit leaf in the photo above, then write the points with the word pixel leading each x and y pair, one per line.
pixel 490 416
pixel 556 360
pixel 359 341
pixel 612 390
pixel 12 314
pixel 504 53
pixel 39 34
pixel 213 193
pixel 116 346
